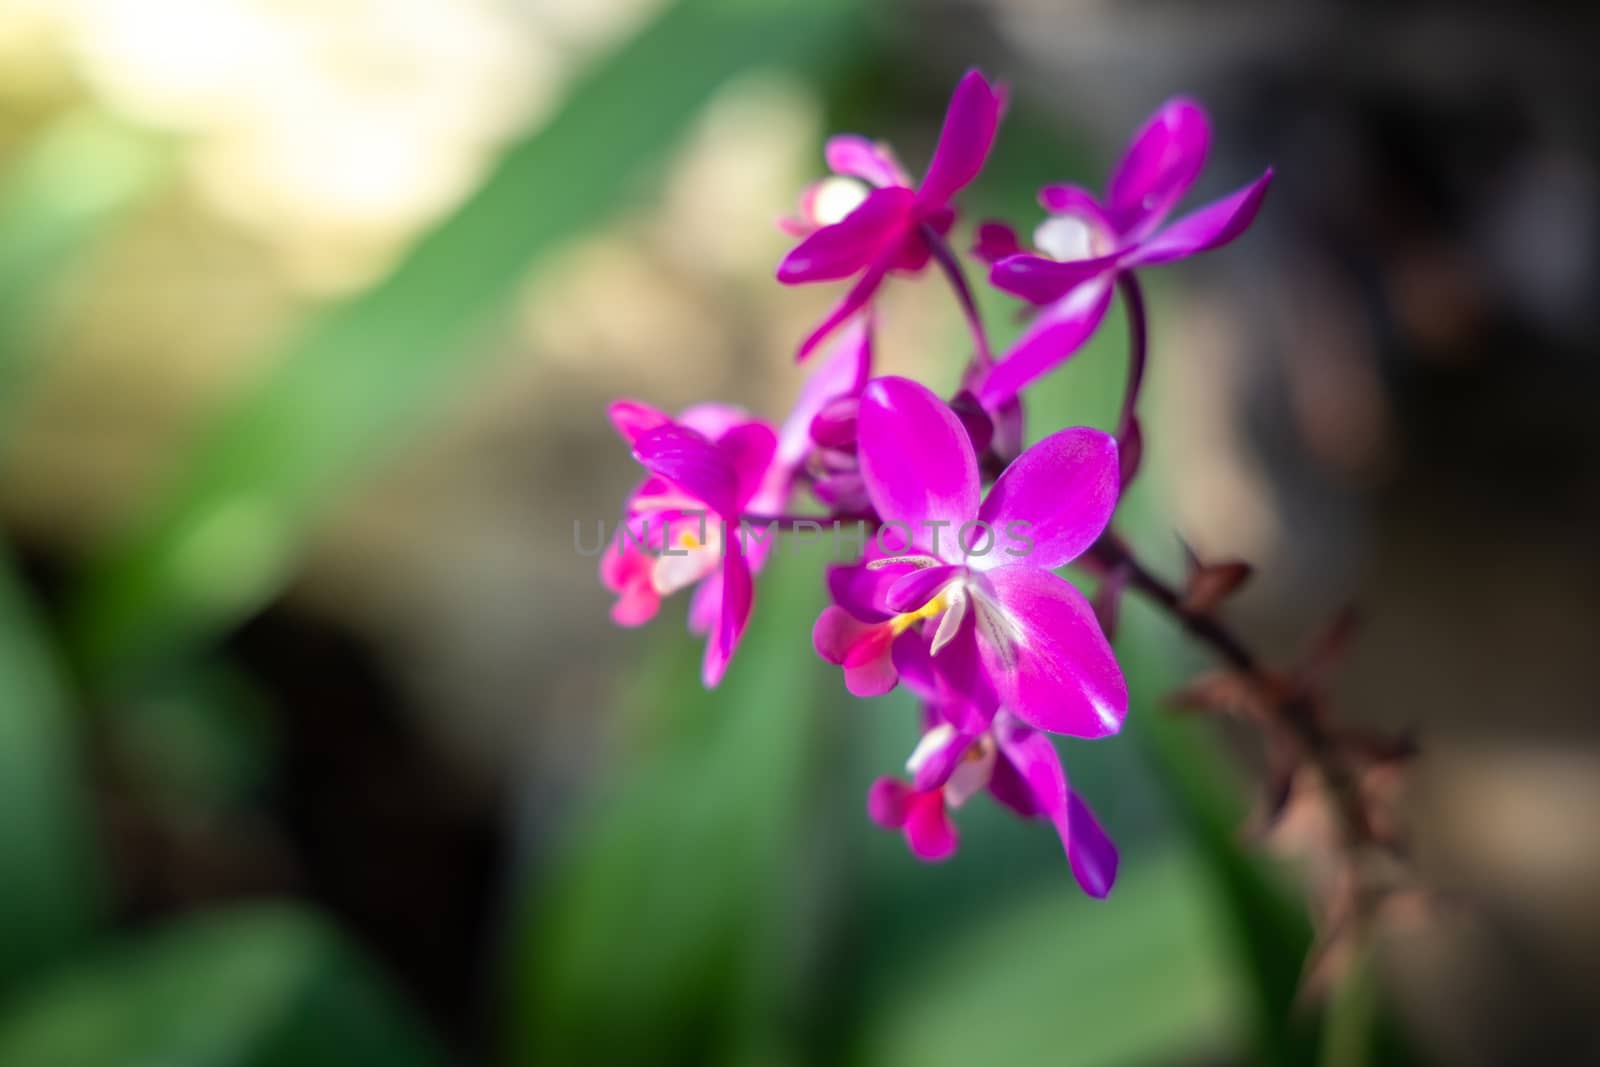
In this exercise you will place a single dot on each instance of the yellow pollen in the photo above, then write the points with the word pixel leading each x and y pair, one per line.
pixel 903 622
pixel 687 539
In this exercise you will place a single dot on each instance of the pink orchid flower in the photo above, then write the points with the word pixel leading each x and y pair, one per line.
pixel 868 219
pixel 977 577
pixel 1087 243
pixel 687 514
pixel 1020 769
pixel 709 467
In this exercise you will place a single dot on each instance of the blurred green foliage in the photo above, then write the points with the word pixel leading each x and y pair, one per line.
pixel 223 540
pixel 255 986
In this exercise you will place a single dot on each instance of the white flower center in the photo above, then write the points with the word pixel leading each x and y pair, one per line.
pixel 1067 238
pixel 835 198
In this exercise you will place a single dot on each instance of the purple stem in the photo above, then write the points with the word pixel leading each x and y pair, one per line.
pixel 1138 345
pixel 792 522
pixel 958 281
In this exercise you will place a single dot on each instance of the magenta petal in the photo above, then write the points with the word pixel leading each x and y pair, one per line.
pixel 1040 280
pixel 915 666
pixel 1210 227
pixel 916 458
pixel 1053 338
pixel 837 632
pixel 844 370
pixel 693 464
pixel 1160 166
pixel 929 831
pixel 834 427
pixel 633 420
pixel 1047 656
pixel 964 142
pixel 850 244
pixel 937 766
pixel 913 590
pixel 889 803
pixel 713 419
pixel 625 570
pixel 705 604
pixel 748 449
pixel 964 681
pixel 1090 850
pixel 1078 201
pixel 859 590
pixel 1037 784
pixel 852 302
pixel 995 241
pixel 1049 506
pixel 857 156
pixel 738 594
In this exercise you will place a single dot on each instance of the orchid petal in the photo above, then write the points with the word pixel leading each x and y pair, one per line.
pixel 705 604
pixel 937 756
pixel 931 681
pixel 916 458
pixel 1159 167
pixel 853 301
pixel 1045 652
pixel 713 419
pixel 915 666
pixel 861 157
pixel 1031 756
pixel 1062 491
pixel 962 675
pixel 1042 281
pixel 1054 337
pixel 1090 850
pixel 626 572
pixel 995 241
pixel 738 595
pixel 634 419
pixel 929 831
pixel 1210 227
pixel 859 590
pixel 964 142
pixel 1078 202
pixel 691 463
pixel 748 449
pixel 888 803
pixel 847 246
pixel 912 591
pixel 864 650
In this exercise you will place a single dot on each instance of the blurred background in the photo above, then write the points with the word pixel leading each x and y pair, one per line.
pixel 317 745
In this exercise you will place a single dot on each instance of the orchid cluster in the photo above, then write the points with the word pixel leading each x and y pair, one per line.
pixel 955 594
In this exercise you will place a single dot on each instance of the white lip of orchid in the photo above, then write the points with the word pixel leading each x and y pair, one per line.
pixel 1068 238
pixel 835 197
pixel 973 769
pixel 690 560
pixel 999 630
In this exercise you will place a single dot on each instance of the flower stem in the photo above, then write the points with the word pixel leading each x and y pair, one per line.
pixel 951 266
pixel 794 522
pixel 1138 348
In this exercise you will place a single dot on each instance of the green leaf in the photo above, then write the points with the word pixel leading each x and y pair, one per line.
pixel 1141 977
pixel 51 896
pixel 662 934
pixel 248 987
pixel 224 540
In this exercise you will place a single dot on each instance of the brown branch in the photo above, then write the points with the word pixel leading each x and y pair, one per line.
pixel 1288 707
